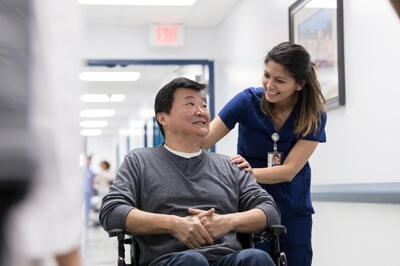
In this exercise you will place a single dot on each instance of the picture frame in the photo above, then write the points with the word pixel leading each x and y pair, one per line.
pixel 317 25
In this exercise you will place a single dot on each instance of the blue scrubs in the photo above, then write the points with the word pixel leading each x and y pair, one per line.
pixel 254 143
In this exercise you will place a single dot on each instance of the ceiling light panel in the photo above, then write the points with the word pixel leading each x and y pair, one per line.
pixel 95 98
pixel 117 98
pixel 103 98
pixel 91 132
pixel 93 123
pixel 97 113
pixel 139 2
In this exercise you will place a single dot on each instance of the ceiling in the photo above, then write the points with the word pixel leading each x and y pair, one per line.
pixel 204 13
pixel 140 94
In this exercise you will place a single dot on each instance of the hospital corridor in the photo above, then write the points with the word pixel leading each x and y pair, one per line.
pixel 116 114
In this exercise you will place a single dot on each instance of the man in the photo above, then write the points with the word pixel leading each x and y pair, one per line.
pixel 183 203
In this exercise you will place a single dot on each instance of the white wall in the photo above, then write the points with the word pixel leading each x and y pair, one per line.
pixel 244 38
pixel 362 136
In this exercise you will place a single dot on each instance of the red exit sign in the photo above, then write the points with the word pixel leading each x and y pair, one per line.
pixel 166 35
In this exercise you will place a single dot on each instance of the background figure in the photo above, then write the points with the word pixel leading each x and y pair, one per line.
pixel 103 180
pixel 89 192
pixel 45 227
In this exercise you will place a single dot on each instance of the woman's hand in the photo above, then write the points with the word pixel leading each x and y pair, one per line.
pixel 242 163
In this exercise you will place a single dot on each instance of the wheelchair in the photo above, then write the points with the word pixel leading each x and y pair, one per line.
pixel 247 240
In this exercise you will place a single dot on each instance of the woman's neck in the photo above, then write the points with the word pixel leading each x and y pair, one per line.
pixel 286 106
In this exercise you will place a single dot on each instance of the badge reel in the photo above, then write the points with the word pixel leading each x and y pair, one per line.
pixel 275 158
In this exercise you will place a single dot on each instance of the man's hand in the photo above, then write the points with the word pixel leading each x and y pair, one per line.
pixel 190 231
pixel 216 225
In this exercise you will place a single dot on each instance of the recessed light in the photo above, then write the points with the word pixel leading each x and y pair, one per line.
pixel 139 2
pixel 95 98
pixel 97 113
pixel 93 123
pixel 91 132
pixel 117 98
pixel 103 98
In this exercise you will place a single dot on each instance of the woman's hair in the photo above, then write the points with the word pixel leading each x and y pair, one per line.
pixel 296 61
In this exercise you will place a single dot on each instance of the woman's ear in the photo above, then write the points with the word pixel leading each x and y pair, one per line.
pixel 300 85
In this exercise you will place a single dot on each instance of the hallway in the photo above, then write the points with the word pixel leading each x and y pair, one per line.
pixel 98 248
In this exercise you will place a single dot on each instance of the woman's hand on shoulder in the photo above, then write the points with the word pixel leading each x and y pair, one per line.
pixel 241 163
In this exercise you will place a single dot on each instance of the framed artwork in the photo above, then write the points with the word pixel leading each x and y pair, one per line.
pixel 317 25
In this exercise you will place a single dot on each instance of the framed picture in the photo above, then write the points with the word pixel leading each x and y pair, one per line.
pixel 317 25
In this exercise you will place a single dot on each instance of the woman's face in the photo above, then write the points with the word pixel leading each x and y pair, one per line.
pixel 279 86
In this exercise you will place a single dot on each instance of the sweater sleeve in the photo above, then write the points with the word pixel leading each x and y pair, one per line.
pixel 123 195
pixel 252 195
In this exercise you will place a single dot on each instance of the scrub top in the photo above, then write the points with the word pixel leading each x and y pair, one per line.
pixel 254 143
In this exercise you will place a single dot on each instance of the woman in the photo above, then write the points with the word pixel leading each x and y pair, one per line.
pixel 103 180
pixel 290 104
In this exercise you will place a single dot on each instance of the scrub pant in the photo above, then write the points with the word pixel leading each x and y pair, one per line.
pixel 296 243
pixel 245 257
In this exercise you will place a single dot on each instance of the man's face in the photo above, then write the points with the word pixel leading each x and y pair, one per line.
pixel 189 115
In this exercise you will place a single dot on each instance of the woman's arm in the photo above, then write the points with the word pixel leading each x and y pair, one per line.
pixel 297 158
pixel 295 161
pixel 218 130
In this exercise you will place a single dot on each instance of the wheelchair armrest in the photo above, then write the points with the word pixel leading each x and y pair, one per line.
pixel 115 232
pixel 271 232
pixel 124 238
pixel 277 230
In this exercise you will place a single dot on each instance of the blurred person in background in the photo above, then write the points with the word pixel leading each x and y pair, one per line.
pixel 88 186
pixel 103 179
pixel 39 44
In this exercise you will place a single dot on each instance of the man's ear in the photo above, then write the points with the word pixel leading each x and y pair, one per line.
pixel 161 118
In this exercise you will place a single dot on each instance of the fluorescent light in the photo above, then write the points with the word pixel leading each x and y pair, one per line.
pixel 97 113
pixel 117 98
pixel 103 98
pixel 93 123
pixel 139 2
pixel 95 98
pixel 109 76
pixel 91 132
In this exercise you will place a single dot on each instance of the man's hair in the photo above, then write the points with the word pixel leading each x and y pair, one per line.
pixel 165 97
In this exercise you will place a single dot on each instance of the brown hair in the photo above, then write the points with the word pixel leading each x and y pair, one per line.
pixel 296 61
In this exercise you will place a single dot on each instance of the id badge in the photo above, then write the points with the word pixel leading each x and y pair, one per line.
pixel 275 158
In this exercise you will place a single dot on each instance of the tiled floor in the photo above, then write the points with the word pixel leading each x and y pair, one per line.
pixel 98 248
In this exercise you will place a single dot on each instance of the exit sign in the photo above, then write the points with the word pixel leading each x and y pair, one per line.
pixel 164 35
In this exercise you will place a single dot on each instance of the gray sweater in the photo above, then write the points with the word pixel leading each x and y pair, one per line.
pixel 158 181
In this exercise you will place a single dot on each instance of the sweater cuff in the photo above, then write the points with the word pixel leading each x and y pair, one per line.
pixel 273 215
pixel 119 215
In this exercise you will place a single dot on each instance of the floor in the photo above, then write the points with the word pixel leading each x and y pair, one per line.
pixel 98 248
